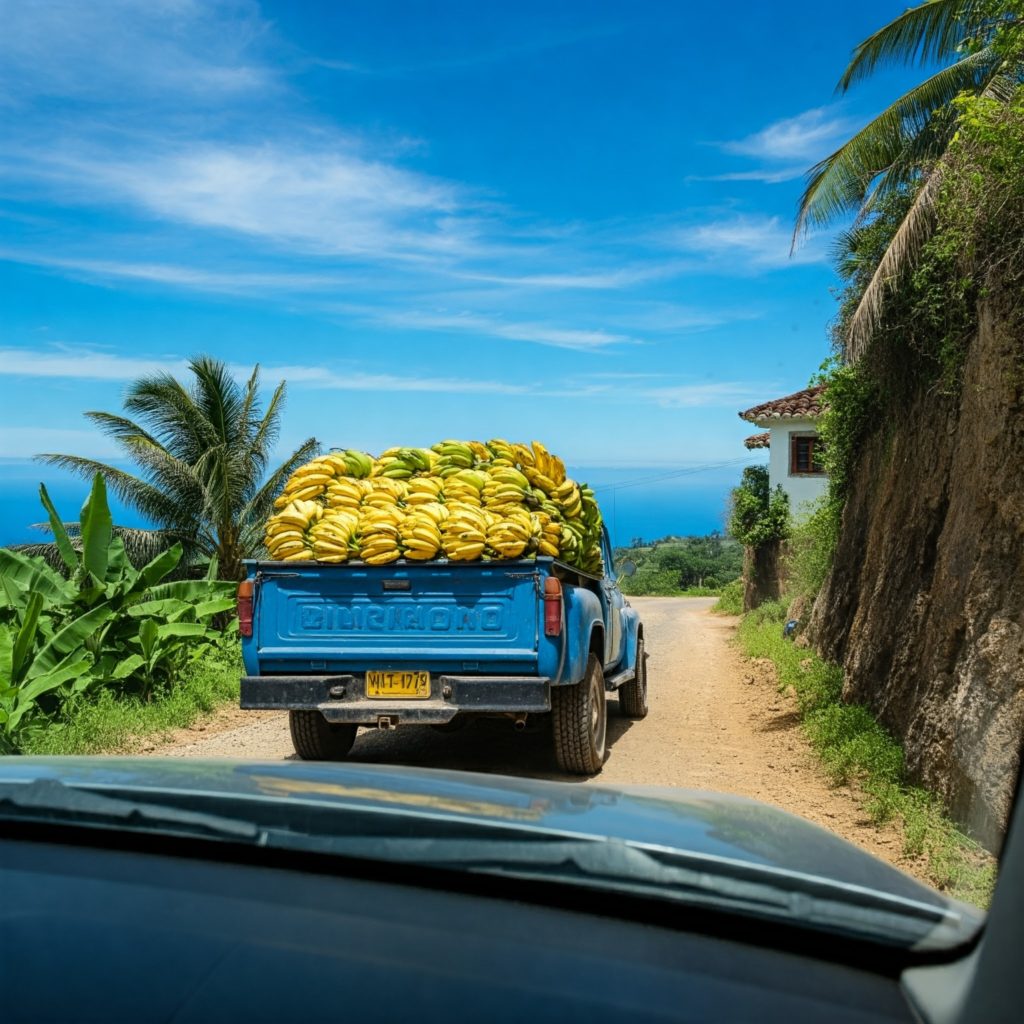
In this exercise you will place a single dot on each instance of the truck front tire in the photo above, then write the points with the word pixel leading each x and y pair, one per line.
pixel 633 695
pixel 316 739
pixel 579 716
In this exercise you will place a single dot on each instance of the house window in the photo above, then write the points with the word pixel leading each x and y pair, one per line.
pixel 805 455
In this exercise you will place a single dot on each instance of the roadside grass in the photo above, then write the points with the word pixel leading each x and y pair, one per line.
pixel 730 600
pixel 856 750
pixel 106 723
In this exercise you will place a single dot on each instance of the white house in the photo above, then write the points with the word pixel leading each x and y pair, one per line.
pixel 792 439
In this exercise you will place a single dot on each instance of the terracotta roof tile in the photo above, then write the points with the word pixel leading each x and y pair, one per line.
pixel 758 440
pixel 804 404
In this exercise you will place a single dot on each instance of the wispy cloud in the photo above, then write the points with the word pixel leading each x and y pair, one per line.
pixel 132 52
pixel 195 278
pixel 71 362
pixel 747 244
pixel 471 323
pixel 786 148
pixel 808 136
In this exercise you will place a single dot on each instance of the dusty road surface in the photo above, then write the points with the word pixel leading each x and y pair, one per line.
pixel 716 722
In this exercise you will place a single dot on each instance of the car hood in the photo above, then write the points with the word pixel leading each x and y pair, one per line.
pixel 710 825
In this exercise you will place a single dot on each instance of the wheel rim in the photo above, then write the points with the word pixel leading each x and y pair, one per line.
pixel 598 722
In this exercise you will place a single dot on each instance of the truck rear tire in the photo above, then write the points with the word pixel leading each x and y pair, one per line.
pixel 579 716
pixel 316 739
pixel 633 695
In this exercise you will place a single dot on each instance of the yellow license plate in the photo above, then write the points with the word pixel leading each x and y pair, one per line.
pixel 398 685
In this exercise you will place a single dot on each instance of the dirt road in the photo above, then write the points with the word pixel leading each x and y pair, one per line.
pixel 716 722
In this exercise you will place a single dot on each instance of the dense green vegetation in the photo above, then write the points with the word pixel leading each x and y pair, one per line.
pixel 203 452
pixel 757 514
pixel 856 750
pixel 101 626
pixel 680 565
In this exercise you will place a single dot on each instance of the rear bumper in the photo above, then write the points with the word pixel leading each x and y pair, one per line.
pixel 341 698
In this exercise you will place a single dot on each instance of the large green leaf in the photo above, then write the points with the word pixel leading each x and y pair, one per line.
pixel 164 563
pixel 97 530
pixel 191 590
pixel 30 693
pixel 60 534
pixel 207 609
pixel 69 638
pixel 180 629
pixel 127 666
pixel 6 655
pixel 32 575
pixel 148 638
pixel 26 637
pixel 166 608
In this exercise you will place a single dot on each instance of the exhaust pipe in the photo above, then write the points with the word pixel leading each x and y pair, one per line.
pixel 520 722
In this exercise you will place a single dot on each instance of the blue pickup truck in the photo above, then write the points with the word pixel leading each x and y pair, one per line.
pixel 433 643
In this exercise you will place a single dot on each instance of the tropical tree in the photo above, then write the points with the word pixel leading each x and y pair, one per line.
pixel 202 452
pixel 981 45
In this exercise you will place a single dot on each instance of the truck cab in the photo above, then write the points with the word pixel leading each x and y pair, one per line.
pixel 435 643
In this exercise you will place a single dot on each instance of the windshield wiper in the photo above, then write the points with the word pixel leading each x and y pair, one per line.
pixel 52 802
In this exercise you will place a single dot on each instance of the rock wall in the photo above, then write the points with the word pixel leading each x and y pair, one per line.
pixel 924 607
pixel 763 574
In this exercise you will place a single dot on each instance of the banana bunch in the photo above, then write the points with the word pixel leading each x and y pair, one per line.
pixel 505 485
pixel 424 490
pixel 334 537
pixel 465 487
pixel 420 536
pixel 509 534
pixel 461 500
pixel 385 492
pixel 351 463
pixel 288 536
pixel 453 456
pixel 346 494
pixel 379 536
pixel 548 532
pixel 403 463
pixel 500 452
pixel 464 532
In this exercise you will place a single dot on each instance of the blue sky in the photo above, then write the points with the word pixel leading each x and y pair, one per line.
pixel 565 221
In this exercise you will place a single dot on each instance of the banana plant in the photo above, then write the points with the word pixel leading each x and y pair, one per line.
pixel 31 670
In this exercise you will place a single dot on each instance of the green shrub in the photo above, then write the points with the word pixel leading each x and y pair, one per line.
pixel 731 600
pixel 757 514
pixel 812 546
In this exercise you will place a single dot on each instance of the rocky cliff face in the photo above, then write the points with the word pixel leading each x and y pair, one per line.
pixel 924 607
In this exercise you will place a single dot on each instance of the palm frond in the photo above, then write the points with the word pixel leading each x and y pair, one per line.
pixel 173 414
pixel 910 236
pixel 140 495
pixel 839 183
pixel 262 502
pixel 932 31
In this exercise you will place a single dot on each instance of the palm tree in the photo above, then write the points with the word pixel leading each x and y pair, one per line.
pixel 202 453
pixel 902 148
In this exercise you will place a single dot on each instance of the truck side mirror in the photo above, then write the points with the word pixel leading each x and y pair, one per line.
pixel 627 568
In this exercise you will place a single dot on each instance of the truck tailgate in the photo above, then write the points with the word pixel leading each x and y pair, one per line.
pixel 466 617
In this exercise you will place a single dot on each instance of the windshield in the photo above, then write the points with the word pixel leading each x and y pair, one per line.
pixel 532 395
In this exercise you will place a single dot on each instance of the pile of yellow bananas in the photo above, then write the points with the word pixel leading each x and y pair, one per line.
pixel 460 500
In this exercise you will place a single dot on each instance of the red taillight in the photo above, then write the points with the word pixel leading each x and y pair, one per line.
pixel 244 598
pixel 552 606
